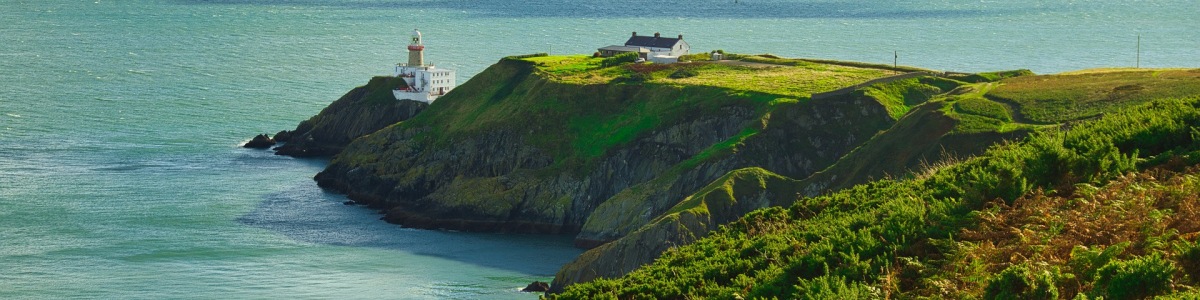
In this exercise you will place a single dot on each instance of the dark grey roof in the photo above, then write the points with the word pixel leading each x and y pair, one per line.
pixel 653 42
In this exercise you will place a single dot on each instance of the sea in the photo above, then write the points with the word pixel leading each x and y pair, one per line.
pixel 121 175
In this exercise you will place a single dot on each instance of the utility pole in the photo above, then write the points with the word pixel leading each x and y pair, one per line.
pixel 1139 53
pixel 895 58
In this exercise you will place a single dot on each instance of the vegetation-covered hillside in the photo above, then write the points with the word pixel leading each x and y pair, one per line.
pixel 1101 208
pixel 874 178
pixel 537 144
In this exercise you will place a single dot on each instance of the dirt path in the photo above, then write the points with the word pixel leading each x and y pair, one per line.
pixel 1014 109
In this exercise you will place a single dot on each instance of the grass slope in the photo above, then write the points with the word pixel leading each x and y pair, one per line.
pixel 1056 98
pixel 885 238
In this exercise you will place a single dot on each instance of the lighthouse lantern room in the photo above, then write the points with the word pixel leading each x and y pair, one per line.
pixel 425 82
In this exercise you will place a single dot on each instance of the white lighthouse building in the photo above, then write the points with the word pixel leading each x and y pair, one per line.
pixel 425 81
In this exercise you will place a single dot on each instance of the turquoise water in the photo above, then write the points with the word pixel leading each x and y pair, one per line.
pixel 120 175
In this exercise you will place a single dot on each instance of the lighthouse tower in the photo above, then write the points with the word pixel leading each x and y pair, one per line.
pixel 424 82
pixel 416 50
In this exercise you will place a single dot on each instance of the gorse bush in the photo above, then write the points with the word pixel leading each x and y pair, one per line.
pixel 834 287
pixel 1017 282
pixel 1138 278
pixel 1085 261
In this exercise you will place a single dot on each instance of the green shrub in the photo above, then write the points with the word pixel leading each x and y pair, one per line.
pixel 1085 261
pixel 638 77
pixel 619 59
pixel 1137 278
pixel 1187 254
pixel 833 287
pixel 1180 295
pixel 683 73
pixel 1017 282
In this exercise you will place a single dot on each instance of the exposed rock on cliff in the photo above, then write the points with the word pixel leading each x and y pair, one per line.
pixel 361 111
pixel 634 165
pixel 513 151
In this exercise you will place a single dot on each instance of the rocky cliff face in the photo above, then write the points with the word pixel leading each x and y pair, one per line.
pixel 361 111
pixel 796 141
pixel 631 168
pixel 460 168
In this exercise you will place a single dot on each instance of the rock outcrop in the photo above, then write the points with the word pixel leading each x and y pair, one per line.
pixel 361 111
pixel 536 286
pixel 261 141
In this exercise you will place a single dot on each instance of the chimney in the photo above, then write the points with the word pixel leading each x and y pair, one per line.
pixel 655 35
pixel 635 33
pixel 681 36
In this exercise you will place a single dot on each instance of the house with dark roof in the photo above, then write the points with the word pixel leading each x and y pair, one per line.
pixel 655 48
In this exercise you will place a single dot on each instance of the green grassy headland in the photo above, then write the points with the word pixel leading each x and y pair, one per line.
pixel 1100 200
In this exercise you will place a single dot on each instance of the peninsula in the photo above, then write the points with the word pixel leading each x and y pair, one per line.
pixel 761 176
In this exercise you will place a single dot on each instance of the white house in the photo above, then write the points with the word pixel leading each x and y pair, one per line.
pixel 655 48
pixel 425 82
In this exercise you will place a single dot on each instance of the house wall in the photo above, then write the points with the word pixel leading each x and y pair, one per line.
pixel 426 83
pixel 682 48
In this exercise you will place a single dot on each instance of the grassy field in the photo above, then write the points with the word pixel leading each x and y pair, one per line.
pixel 1056 98
pixel 798 79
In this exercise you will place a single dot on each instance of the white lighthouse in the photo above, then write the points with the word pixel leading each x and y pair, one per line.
pixel 425 81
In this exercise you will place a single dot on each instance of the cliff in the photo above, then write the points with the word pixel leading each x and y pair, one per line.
pixel 361 111
pixel 527 147
pixel 639 159
pixel 512 150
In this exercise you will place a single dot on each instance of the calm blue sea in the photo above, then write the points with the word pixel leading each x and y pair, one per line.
pixel 120 175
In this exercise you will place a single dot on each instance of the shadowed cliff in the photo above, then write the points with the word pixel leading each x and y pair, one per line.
pixel 361 111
